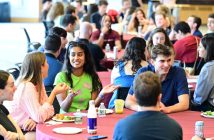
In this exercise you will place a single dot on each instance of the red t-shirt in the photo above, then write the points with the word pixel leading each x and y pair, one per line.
pixel 109 37
pixel 186 49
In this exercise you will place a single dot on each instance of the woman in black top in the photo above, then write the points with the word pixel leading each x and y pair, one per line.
pixel 8 128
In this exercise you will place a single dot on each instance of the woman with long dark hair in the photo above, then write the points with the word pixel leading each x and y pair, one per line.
pixel 125 69
pixel 203 97
pixel 80 75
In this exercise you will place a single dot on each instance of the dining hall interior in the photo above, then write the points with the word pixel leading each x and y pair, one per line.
pixel 60 60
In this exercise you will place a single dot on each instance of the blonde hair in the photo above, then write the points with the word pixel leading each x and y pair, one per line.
pixel 56 10
pixel 31 69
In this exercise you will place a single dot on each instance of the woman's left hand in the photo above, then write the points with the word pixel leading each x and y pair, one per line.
pixel 109 88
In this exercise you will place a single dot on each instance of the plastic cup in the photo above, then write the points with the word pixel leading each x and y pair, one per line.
pixel 119 105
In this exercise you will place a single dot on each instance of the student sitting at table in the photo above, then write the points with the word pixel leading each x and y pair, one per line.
pixel 30 99
pixel 203 98
pixel 138 20
pixel 148 123
pixel 106 34
pixel 175 91
pixel 125 68
pixel 80 75
pixel 158 36
pixel 8 127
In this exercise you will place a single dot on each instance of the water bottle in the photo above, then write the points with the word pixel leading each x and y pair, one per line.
pixel 115 52
pixel 199 129
pixel 78 117
pixel 92 118
pixel 102 110
pixel 139 30
pixel 107 48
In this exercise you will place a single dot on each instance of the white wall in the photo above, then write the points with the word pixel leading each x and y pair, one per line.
pixel 23 8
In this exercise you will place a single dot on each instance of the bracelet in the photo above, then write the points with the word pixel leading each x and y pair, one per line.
pixel 101 95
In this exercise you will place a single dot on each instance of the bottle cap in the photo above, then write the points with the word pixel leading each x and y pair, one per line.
pixel 199 123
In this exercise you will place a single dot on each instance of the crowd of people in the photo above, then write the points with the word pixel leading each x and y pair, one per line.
pixel 62 75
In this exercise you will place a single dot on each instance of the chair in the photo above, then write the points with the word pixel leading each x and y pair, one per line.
pixel 177 63
pixel 31 46
pixel 55 102
pixel 122 93
pixel 48 25
pixel 14 71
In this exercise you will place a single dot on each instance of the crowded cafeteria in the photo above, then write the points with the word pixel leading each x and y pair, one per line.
pixel 107 69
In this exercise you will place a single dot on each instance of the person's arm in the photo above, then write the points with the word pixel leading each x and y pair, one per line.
pixel 100 40
pixel 108 89
pixel 65 100
pixel 30 104
pixel 140 2
pixel 182 105
pixel 203 86
pixel 20 135
pixel 131 23
pixel 118 44
pixel 131 102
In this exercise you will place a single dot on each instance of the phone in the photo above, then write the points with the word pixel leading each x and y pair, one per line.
pixel 96 137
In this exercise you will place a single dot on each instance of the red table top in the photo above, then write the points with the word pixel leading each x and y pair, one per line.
pixel 106 125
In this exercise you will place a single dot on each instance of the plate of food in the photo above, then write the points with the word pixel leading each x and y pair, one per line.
pixel 63 118
pixel 67 130
pixel 208 114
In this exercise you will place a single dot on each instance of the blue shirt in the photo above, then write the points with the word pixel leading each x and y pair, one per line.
pixel 198 33
pixel 55 67
pixel 123 80
pixel 96 19
pixel 173 86
pixel 205 85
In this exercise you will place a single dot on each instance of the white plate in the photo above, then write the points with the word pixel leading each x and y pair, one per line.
pixel 207 116
pixel 58 120
pixel 67 130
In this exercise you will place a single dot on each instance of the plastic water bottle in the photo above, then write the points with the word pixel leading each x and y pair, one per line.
pixel 107 48
pixel 92 118
pixel 102 110
pixel 115 52
pixel 78 117
pixel 199 129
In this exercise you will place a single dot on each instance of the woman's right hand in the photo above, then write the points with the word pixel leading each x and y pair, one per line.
pixel 29 125
pixel 60 88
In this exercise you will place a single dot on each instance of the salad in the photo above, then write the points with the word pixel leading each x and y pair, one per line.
pixel 208 113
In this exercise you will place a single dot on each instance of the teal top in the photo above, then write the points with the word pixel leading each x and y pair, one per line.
pixel 82 84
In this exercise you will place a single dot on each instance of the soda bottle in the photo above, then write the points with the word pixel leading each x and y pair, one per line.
pixel 78 117
pixel 102 110
pixel 92 118
pixel 199 129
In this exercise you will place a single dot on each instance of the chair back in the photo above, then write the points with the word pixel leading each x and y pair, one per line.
pixel 177 63
pixel 122 93
pixel 14 71
pixel 48 25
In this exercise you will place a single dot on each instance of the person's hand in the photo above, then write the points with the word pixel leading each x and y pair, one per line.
pixel 60 88
pixel 109 88
pixel 29 125
pixel 3 131
pixel 11 136
pixel 163 108
pixel 72 93
pixel 104 29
